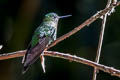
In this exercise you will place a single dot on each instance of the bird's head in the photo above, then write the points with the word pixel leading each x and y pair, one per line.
pixel 53 17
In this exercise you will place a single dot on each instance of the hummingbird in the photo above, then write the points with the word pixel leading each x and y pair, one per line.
pixel 43 36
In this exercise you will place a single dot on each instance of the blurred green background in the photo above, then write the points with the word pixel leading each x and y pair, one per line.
pixel 19 18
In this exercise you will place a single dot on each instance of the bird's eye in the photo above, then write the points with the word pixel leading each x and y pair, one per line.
pixel 54 17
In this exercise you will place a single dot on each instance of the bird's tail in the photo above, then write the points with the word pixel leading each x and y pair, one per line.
pixel 25 69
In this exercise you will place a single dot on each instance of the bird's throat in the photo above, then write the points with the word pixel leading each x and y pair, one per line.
pixel 51 23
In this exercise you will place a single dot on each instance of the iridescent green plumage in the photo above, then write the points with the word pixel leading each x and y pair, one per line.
pixel 42 37
pixel 43 31
pixel 48 28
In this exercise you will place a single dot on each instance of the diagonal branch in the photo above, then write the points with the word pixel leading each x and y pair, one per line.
pixel 66 56
pixel 86 23
pixel 107 69
pixel 101 40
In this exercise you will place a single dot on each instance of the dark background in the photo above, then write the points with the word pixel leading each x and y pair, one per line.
pixel 19 18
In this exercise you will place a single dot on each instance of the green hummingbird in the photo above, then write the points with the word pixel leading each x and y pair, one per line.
pixel 43 36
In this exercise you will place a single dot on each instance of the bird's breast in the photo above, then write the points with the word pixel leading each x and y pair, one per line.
pixel 51 24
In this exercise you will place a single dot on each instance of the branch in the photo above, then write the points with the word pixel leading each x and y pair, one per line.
pixel 101 40
pixel 107 69
pixel 67 56
pixel 86 23
pixel 12 55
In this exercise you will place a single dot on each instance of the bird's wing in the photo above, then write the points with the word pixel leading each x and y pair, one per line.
pixel 33 53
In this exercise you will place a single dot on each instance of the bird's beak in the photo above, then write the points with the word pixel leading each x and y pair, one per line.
pixel 65 16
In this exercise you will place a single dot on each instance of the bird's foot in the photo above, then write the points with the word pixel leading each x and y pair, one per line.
pixel 43 62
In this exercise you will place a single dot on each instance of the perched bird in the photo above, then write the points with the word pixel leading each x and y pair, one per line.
pixel 42 37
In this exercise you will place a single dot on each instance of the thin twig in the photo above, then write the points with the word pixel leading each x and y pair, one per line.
pixel 110 70
pixel 66 56
pixel 101 40
pixel 86 23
